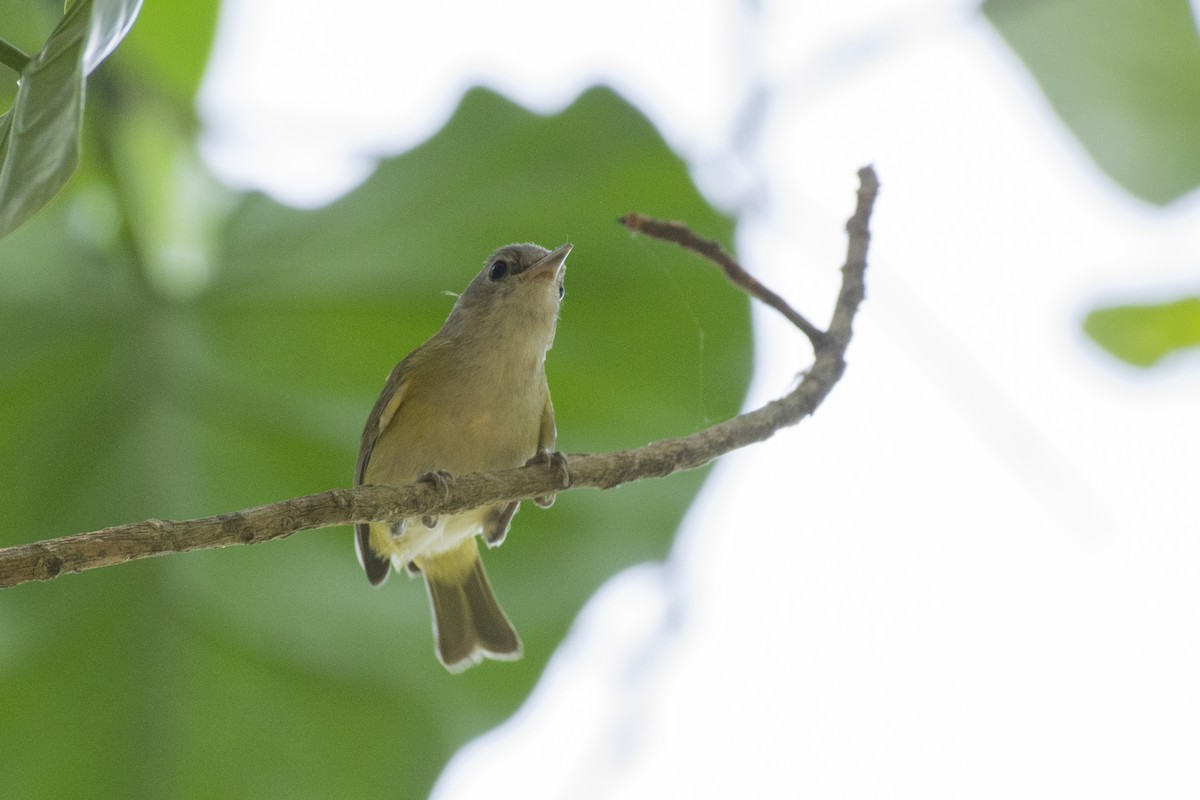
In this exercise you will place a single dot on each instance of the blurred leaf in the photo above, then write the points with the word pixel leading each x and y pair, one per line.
pixel 276 670
pixel 108 23
pixel 170 46
pixel 1123 76
pixel 39 135
pixel 1144 335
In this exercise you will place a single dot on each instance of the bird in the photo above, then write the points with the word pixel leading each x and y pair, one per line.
pixel 472 398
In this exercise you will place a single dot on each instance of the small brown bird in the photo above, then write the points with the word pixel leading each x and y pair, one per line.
pixel 472 398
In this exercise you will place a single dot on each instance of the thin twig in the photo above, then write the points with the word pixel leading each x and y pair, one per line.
pixel 854 270
pixel 51 558
pixel 680 234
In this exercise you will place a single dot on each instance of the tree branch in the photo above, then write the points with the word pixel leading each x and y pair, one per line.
pixel 51 558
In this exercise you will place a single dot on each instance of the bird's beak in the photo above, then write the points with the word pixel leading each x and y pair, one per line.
pixel 551 266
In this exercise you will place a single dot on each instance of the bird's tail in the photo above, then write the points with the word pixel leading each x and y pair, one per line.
pixel 468 623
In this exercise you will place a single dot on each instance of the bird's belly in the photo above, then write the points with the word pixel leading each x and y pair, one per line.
pixel 418 541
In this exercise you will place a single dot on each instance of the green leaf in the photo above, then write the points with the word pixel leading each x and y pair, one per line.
pixel 277 670
pixel 39 135
pixel 1123 76
pixel 1144 335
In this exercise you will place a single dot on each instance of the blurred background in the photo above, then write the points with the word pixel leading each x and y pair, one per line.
pixel 974 572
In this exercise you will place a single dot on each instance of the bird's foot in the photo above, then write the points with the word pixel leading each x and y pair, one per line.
pixel 439 479
pixel 557 461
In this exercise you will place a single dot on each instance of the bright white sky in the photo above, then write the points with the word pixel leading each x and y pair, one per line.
pixel 976 572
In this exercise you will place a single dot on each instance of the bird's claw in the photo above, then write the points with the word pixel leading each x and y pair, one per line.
pixel 556 460
pixel 439 479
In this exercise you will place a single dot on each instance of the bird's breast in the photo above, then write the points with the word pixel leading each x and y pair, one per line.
pixel 464 421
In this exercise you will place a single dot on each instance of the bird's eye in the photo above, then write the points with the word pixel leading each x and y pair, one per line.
pixel 562 290
pixel 499 269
